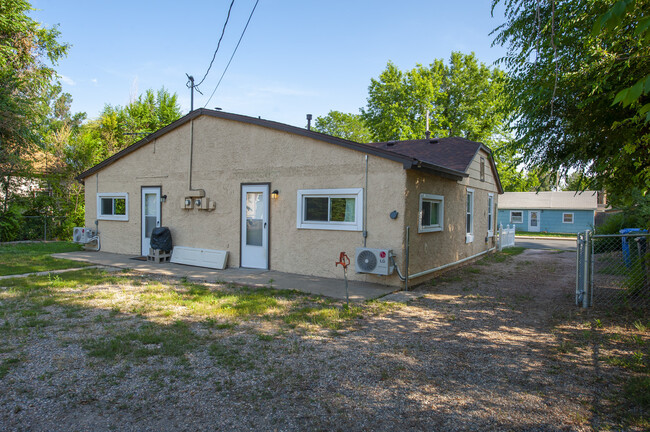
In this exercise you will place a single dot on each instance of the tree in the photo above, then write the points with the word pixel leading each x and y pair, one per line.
pixel 118 127
pixel 514 177
pixel 347 126
pixel 26 82
pixel 464 98
pixel 564 80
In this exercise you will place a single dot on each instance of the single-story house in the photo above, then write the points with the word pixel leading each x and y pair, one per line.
pixel 554 212
pixel 279 197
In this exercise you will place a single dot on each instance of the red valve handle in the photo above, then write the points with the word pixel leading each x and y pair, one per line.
pixel 344 260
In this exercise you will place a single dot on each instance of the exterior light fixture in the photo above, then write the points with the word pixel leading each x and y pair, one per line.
pixel 163 198
pixel 275 194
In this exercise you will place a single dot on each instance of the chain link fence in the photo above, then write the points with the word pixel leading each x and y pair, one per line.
pixel 613 270
pixel 39 227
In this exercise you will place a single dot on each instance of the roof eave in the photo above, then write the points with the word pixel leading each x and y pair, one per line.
pixel 438 170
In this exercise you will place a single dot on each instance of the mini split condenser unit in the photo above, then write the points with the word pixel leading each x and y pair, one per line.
pixel 82 235
pixel 375 261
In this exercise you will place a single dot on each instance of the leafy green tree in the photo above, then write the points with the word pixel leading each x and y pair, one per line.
pixel 464 98
pixel 610 23
pixel 343 125
pixel 26 81
pixel 564 80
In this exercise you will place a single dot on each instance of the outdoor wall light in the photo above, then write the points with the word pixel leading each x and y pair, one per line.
pixel 393 214
pixel 163 198
pixel 275 194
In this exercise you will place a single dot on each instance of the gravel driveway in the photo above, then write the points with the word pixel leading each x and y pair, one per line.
pixel 479 351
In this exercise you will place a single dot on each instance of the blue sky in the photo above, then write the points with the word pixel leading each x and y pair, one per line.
pixel 297 56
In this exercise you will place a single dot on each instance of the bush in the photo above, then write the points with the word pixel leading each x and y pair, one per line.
pixel 616 222
pixel 10 224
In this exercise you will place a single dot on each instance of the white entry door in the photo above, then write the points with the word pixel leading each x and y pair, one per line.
pixel 255 226
pixel 150 215
pixel 533 220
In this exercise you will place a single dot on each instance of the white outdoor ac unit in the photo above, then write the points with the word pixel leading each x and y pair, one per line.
pixel 82 235
pixel 375 261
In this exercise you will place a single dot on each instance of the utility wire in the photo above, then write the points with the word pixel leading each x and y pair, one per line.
pixel 233 53
pixel 218 45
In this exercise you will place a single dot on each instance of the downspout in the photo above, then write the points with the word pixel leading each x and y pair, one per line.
pixel 193 192
pixel 365 207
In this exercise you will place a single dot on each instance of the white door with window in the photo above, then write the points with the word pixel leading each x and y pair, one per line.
pixel 533 220
pixel 150 215
pixel 255 226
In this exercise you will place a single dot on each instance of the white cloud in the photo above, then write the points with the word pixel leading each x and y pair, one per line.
pixel 94 81
pixel 67 80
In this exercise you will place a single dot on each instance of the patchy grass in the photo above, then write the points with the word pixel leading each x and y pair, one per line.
pixel 620 337
pixel 148 340
pixel 171 317
pixel 230 356
pixel 19 258
pixel 499 257
pixel 7 364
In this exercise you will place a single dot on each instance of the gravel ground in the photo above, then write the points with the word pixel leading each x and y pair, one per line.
pixel 477 352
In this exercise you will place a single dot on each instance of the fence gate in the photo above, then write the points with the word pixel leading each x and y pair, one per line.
pixel 613 270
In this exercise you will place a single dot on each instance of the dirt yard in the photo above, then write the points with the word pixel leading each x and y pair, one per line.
pixel 497 345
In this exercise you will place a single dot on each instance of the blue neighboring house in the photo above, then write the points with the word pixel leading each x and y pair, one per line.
pixel 555 212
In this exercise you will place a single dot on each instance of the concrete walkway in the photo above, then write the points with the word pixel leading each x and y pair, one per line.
pixel 359 291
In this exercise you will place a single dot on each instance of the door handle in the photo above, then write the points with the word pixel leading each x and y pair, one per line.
pixel 264 224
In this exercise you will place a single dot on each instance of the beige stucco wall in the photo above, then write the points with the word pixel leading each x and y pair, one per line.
pixel 429 250
pixel 229 153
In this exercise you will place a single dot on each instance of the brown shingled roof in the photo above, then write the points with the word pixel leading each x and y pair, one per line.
pixel 453 153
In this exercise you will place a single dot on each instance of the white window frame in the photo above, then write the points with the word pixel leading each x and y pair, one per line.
pixel 490 230
pixel 356 193
pixel 469 236
pixel 439 199
pixel 521 217
pixel 114 195
pixel 573 218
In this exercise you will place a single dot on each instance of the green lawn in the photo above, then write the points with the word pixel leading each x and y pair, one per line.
pixel 21 258
pixel 544 234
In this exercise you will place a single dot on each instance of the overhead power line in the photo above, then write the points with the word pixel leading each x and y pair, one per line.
pixel 233 53
pixel 218 45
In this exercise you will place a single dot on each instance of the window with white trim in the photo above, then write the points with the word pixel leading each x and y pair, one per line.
pixel 567 218
pixel 432 213
pixel 469 217
pixel 113 206
pixel 330 209
pixel 490 213
pixel 516 217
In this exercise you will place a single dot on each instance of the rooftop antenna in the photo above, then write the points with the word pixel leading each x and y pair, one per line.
pixel 308 121
pixel 428 132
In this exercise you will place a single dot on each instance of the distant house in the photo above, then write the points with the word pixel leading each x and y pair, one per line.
pixel 268 195
pixel 557 212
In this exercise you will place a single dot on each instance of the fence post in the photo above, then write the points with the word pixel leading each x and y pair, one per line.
pixel 586 284
pixel 579 294
pixel 500 240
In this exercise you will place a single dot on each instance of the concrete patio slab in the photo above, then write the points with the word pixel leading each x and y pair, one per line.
pixel 358 291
